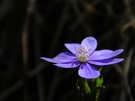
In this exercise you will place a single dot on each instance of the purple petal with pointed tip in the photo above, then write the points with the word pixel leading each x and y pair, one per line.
pixel 61 58
pixel 105 54
pixel 72 47
pixel 88 71
pixel 89 43
pixel 50 60
pixel 65 57
pixel 68 65
pixel 105 62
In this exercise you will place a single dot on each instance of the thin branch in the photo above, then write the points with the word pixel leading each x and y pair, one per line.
pixel 61 23
pixel 126 70
pixel 11 90
pixel 29 11
pixel 63 19
pixel 54 84
pixel 80 16
pixel 37 49
pixel 17 85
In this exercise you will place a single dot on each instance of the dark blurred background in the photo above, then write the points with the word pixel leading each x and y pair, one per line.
pixel 33 28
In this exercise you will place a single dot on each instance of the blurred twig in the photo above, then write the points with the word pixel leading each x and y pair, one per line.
pixel 54 84
pixel 56 77
pixel 29 11
pixel 56 37
pixel 10 90
pixel 126 70
pixel 5 8
pixel 124 74
pixel 37 52
pixel 18 84
pixel 80 17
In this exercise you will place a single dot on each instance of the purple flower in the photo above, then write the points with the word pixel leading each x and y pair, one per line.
pixel 85 57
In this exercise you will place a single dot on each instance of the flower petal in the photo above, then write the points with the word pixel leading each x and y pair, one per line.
pixel 65 57
pixel 72 47
pixel 68 65
pixel 105 61
pixel 88 71
pixel 89 43
pixel 61 58
pixel 104 54
pixel 50 60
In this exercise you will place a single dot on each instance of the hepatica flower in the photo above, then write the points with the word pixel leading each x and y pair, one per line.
pixel 85 57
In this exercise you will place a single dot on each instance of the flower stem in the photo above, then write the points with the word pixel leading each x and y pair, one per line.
pixel 90 90
pixel 83 88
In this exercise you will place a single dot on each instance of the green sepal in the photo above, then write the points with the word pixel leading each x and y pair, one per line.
pixel 97 86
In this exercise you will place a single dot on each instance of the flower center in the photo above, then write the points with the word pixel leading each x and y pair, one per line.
pixel 82 54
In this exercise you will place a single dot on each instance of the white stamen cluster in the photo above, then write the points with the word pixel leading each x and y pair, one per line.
pixel 82 54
